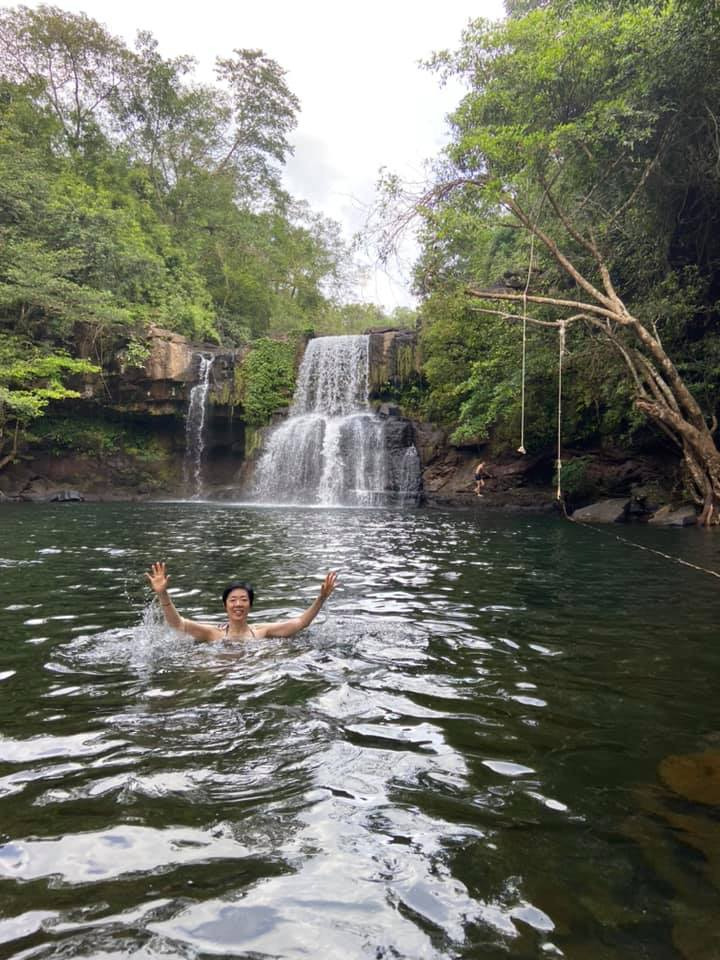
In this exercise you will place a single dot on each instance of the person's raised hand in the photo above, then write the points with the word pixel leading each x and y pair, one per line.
pixel 158 577
pixel 328 585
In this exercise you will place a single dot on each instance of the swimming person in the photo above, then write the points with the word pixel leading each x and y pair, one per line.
pixel 238 600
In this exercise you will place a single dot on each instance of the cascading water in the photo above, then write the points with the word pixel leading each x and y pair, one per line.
pixel 332 449
pixel 409 484
pixel 195 427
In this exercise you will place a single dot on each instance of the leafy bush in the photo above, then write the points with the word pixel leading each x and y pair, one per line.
pixel 266 379
pixel 576 481
pixel 96 438
pixel 136 352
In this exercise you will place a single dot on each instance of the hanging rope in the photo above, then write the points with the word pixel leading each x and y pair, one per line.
pixel 561 354
pixel 641 546
pixel 521 448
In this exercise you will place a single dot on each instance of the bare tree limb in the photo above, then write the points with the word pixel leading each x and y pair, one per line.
pixel 557 254
pixel 549 301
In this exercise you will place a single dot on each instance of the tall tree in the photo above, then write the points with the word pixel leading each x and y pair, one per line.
pixel 77 66
pixel 263 114
pixel 595 133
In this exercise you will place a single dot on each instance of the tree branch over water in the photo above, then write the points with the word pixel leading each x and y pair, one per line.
pixel 585 160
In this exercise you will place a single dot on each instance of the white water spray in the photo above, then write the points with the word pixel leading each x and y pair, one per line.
pixel 194 429
pixel 332 449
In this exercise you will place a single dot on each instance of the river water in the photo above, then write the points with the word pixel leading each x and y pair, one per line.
pixel 469 754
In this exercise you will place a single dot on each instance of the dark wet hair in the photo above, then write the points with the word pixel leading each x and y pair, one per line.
pixel 247 587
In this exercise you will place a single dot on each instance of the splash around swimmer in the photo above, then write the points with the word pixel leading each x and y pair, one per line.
pixel 237 600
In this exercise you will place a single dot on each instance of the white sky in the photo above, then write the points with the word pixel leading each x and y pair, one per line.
pixel 354 66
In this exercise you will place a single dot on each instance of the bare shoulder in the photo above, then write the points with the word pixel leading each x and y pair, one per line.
pixel 203 631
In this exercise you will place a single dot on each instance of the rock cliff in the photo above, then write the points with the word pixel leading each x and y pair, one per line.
pixel 129 435
pixel 394 358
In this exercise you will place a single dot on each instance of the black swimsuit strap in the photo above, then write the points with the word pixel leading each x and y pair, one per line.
pixel 226 629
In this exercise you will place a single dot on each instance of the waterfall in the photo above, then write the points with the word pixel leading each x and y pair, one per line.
pixel 194 429
pixel 409 482
pixel 332 449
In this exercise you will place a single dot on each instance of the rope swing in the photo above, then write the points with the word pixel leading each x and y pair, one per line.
pixel 521 448
pixel 561 354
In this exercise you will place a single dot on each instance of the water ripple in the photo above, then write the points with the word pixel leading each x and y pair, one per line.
pixel 454 761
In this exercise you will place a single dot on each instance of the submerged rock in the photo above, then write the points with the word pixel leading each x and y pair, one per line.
pixel 695 776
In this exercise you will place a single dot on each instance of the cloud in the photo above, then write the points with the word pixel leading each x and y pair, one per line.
pixel 366 103
pixel 310 172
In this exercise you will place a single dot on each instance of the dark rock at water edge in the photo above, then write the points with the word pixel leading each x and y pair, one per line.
pixel 668 516
pixel 66 496
pixel 606 511
pixel 623 510
pixel 512 481
pixel 386 410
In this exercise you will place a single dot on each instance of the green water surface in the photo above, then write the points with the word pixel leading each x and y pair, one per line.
pixel 472 752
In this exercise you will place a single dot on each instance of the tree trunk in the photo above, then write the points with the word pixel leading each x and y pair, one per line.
pixel 701 457
pixel 661 393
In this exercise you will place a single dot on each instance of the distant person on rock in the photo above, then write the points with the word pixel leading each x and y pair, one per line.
pixel 481 475
pixel 237 599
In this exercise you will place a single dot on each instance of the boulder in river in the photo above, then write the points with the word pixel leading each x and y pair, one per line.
pixel 65 496
pixel 605 511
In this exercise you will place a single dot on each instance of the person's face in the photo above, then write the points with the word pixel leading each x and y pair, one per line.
pixel 237 603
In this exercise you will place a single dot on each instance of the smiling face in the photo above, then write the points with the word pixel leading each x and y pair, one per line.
pixel 237 604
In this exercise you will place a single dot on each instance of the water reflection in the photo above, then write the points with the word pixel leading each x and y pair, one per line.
pixel 458 759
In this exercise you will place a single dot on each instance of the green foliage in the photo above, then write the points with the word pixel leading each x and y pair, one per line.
pixel 80 253
pixel 577 483
pixel 355 318
pixel 595 120
pixel 473 367
pixel 96 438
pixel 30 378
pixel 266 379
pixel 78 435
pixel 136 352
pixel 410 397
pixel 130 194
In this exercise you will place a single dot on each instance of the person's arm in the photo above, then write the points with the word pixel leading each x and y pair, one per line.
pixel 159 579
pixel 287 628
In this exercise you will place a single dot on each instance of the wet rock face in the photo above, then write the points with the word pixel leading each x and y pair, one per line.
pixel 171 356
pixel 399 434
pixel 512 481
pixel 404 477
pixel 431 442
pixel 394 358
pixel 161 387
